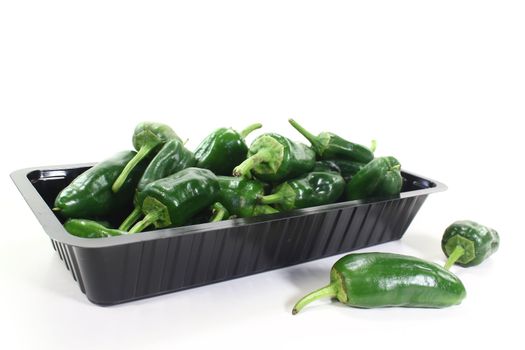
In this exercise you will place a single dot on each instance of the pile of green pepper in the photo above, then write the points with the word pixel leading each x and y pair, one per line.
pixel 164 184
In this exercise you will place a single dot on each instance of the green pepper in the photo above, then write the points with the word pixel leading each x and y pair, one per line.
pixel 275 158
pixel 330 146
pixel 148 138
pixel 310 190
pixel 90 229
pixel 326 166
pixel 223 149
pixel 379 178
pixel 371 280
pixel 89 195
pixel 240 196
pixel 468 243
pixel 174 200
pixel 347 168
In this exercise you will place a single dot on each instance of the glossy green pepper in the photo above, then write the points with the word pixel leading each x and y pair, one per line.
pixel 370 280
pixel 223 149
pixel 275 158
pixel 379 178
pixel 148 138
pixel 468 243
pixel 90 229
pixel 309 190
pixel 326 166
pixel 330 146
pixel 347 168
pixel 240 196
pixel 174 200
pixel 89 195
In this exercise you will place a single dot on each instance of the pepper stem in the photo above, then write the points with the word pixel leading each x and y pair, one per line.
pixel 327 291
pixel 373 145
pixel 271 198
pixel 314 140
pixel 143 152
pixel 131 219
pixel 219 212
pixel 249 129
pixel 454 256
pixel 245 167
pixel 148 220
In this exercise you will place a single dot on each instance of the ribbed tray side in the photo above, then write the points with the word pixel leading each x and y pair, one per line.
pixel 133 271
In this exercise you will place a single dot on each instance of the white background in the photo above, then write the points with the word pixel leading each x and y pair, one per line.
pixel 440 85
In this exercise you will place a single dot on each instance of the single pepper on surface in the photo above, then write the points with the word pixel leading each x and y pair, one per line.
pixel 275 158
pixel 148 138
pixel 90 229
pixel 89 195
pixel 379 178
pixel 240 196
pixel 223 149
pixel 309 190
pixel 370 280
pixel 468 243
pixel 331 146
pixel 174 200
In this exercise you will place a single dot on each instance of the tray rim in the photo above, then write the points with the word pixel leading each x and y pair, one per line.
pixel 55 230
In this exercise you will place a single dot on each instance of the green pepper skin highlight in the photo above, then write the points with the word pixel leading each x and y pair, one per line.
pixel 310 190
pixel 89 195
pixel 174 200
pixel 240 196
pixel 223 149
pixel 331 146
pixel 326 166
pixel 468 243
pixel 275 158
pixel 379 178
pixel 171 158
pixel 148 138
pixel 370 280
pixel 90 229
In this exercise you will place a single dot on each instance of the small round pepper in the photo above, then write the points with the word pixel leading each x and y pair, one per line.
pixel 310 190
pixel 147 138
pixel 370 280
pixel 275 158
pixel 240 196
pixel 223 149
pixel 468 243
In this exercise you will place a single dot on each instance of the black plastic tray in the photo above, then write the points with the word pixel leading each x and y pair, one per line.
pixel 124 268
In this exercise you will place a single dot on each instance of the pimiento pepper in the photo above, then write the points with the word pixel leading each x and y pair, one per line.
pixel 240 196
pixel 89 195
pixel 371 280
pixel 90 229
pixel 275 158
pixel 147 138
pixel 379 178
pixel 223 149
pixel 468 243
pixel 173 200
pixel 331 146
pixel 347 168
pixel 311 189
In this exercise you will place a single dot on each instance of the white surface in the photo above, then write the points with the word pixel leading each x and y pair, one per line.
pixel 440 85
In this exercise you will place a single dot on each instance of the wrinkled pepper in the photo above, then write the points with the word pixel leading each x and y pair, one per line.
pixel 379 178
pixel 331 146
pixel 468 243
pixel 223 149
pixel 174 200
pixel 89 195
pixel 309 190
pixel 326 166
pixel 148 138
pixel 275 158
pixel 347 168
pixel 370 280
pixel 240 196
pixel 90 229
